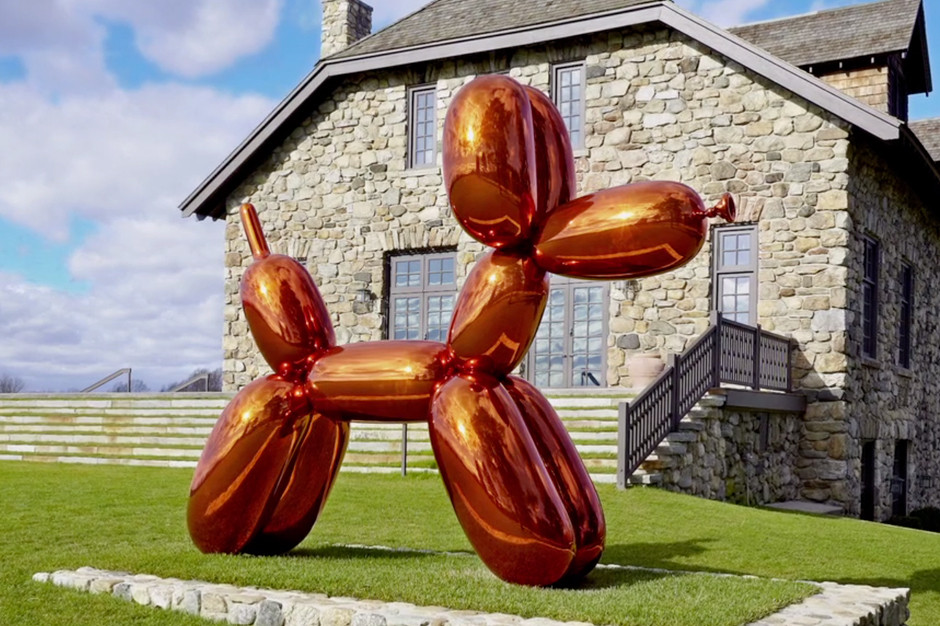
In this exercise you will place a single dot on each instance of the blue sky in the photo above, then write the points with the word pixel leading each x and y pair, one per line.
pixel 111 112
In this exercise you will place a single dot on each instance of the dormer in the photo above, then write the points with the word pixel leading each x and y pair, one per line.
pixel 876 52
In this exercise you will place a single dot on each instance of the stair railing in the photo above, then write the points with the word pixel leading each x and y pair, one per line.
pixel 109 378
pixel 727 352
pixel 204 378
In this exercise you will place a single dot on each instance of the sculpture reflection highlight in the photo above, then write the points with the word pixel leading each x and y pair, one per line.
pixel 514 477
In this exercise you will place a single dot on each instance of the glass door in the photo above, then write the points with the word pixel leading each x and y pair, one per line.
pixel 571 343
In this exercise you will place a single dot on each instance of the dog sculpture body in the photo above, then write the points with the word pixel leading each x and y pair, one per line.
pixel 516 482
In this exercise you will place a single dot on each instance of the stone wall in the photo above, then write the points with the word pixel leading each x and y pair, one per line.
pixel 882 400
pixel 659 106
pixel 734 454
pixel 344 23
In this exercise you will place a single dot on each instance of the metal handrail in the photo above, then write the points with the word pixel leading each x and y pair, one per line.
pixel 588 376
pixel 191 381
pixel 727 352
pixel 109 378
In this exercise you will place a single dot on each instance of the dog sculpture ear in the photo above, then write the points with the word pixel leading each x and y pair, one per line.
pixel 489 161
pixel 554 162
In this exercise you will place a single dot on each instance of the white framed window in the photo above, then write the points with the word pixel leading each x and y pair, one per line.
pixel 422 293
pixel 568 95
pixel 735 266
pixel 422 127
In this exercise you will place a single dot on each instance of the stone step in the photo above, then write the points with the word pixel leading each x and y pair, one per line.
pixel 156 420
pixel 95 460
pixel 606 430
pixel 603 414
pixel 80 401
pixel 583 402
pixel 200 431
pixel 98 450
pixel 642 477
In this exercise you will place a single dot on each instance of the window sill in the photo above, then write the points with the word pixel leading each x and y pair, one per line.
pixel 581 153
pixel 867 361
pixel 419 170
pixel 905 372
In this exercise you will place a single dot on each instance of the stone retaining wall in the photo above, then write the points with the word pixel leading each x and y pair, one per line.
pixel 734 454
pixel 835 605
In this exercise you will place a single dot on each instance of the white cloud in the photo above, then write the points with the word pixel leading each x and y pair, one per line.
pixel 196 38
pixel 161 321
pixel 123 160
pixel 62 43
pixel 155 305
pixel 113 155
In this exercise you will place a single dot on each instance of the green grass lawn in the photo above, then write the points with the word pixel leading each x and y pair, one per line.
pixel 133 519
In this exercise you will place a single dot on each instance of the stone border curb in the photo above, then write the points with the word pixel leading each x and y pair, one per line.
pixel 835 605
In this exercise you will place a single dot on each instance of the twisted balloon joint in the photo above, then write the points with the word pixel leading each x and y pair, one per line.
pixel 516 482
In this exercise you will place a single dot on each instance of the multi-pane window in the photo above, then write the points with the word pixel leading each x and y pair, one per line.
pixel 571 343
pixel 736 273
pixel 422 127
pixel 422 291
pixel 568 94
pixel 870 297
pixel 907 311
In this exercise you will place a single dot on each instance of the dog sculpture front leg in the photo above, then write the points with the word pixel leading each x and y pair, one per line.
pixel 504 497
pixel 567 472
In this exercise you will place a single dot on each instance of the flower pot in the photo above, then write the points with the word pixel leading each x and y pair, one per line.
pixel 643 369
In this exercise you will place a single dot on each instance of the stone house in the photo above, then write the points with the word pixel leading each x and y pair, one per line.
pixel 803 120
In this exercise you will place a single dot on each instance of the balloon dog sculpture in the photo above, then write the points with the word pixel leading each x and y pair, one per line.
pixel 514 477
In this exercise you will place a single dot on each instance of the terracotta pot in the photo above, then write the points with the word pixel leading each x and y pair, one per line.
pixel 643 369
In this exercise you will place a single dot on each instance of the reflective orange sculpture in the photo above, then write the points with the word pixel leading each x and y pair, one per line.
pixel 517 484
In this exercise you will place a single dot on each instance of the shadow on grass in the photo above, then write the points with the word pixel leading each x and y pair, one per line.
pixel 922 580
pixel 660 555
pixel 362 552
pixel 600 578
pixel 610 578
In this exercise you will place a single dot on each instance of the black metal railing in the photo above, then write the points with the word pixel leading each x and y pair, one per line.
pixel 728 352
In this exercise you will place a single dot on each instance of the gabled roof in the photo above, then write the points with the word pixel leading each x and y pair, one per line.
pixel 928 131
pixel 854 32
pixel 209 198
pixel 452 19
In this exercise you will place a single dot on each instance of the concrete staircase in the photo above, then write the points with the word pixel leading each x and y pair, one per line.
pixel 170 430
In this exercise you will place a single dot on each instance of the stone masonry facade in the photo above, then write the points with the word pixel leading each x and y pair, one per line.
pixel 732 454
pixel 338 195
